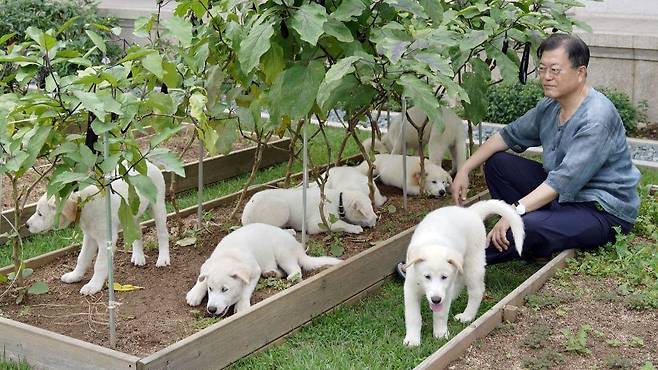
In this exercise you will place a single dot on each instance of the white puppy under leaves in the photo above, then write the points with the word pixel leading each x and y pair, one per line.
pixel 446 252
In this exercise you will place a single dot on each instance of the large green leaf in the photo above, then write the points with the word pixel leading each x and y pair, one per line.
pixel 422 96
pixel 97 40
pixel 131 230
pixel 333 77
pixel 226 135
pixel 392 41
pixel 308 21
pixel 180 29
pixel 144 186
pixel 473 39
pixel 273 63
pixel 37 288
pixel 164 134
pixel 348 9
pixel 338 30
pixel 255 45
pixel 411 6
pixel 164 158
pixel 153 63
pixel 197 106
pixel 436 62
pixel 476 87
pixel 161 103
pixel 171 76
pixel 508 69
pixel 92 103
pixel 434 9
pixel 294 92
pixel 45 41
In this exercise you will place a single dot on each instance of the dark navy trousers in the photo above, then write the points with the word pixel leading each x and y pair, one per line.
pixel 552 228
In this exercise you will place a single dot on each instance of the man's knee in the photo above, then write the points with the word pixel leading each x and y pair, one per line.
pixel 495 162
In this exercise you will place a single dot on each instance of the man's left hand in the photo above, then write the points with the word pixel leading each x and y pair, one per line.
pixel 498 235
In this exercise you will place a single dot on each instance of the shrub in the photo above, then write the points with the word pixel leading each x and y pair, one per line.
pixel 18 15
pixel 508 102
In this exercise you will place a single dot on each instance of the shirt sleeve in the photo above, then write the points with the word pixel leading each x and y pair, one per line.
pixel 523 132
pixel 586 155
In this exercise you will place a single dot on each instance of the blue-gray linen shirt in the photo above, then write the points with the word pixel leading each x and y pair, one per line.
pixel 587 158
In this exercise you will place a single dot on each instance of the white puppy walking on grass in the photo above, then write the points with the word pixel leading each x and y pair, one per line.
pixel 446 252
pixel 88 207
pixel 229 276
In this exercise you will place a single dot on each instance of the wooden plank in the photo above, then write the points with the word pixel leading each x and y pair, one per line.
pixel 227 341
pixel 43 349
pixel 216 169
pixel 43 259
pixel 483 325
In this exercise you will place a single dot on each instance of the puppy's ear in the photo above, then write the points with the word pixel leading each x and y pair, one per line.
pixel 69 212
pixel 241 275
pixel 415 178
pixel 457 265
pixel 360 207
pixel 414 261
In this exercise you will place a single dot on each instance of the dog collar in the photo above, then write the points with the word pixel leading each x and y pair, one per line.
pixel 341 208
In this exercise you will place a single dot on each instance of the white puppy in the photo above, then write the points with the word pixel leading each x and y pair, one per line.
pixel 388 168
pixel 447 251
pixel 231 273
pixel 346 178
pixel 452 137
pixel 88 207
pixel 283 208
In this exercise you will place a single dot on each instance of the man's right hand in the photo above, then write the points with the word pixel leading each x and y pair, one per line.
pixel 459 187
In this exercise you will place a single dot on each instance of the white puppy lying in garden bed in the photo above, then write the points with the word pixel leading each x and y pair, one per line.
pixel 231 273
pixel 283 208
pixel 447 251
pixel 388 169
pixel 88 207
pixel 346 178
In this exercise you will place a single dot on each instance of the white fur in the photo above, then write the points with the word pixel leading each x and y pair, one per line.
pixel 283 208
pixel 94 229
pixel 452 137
pixel 231 273
pixel 350 178
pixel 388 168
pixel 446 252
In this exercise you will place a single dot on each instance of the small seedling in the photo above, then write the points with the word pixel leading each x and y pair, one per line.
pixel 537 336
pixel 577 342
pixel 547 359
pixel 636 342
pixel 208 216
pixel 615 361
pixel 337 249
pixel 614 342
pixel 276 283
pixel 151 245
pixel 648 366
pixel 186 242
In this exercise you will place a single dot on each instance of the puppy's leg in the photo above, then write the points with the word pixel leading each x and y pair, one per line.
pixel 100 269
pixel 138 258
pixel 160 216
pixel 474 280
pixel 290 265
pixel 341 225
pixel 412 319
pixel 198 291
pixel 84 261
pixel 245 299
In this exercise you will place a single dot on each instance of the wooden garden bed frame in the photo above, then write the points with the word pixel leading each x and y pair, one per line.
pixel 223 343
pixel 217 168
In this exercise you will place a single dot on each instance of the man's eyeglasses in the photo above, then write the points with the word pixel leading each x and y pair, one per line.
pixel 554 71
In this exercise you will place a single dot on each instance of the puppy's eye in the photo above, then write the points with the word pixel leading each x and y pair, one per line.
pixel 210 289
pixel 433 181
pixel 428 276
pixel 443 277
pixel 224 289
pixel 39 214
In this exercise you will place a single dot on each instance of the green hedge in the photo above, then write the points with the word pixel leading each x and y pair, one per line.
pixel 17 15
pixel 508 102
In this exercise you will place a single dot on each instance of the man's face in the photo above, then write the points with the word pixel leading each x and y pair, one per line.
pixel 558 77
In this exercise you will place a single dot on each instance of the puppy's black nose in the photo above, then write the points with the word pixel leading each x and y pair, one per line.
pixel 442 193
pixel 212 309
pixel 436 300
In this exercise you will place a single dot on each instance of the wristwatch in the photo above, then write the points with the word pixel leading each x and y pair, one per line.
pixel 519 208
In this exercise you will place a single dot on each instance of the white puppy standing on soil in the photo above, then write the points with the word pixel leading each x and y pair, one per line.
pixel 452 137
pixel 388 168
pixel 346 178
pixel 283 208
pixel 92 218
pixel 229 276
pixel 446 252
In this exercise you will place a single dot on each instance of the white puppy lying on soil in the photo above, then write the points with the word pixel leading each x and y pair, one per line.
pixel 283 208
pixel 346 178
pixel 388 168
pixel 231 273
pixel 92 222
pixel 452 137
pixel 447 251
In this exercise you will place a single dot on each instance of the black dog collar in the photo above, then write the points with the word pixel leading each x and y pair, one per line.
pixel 341 208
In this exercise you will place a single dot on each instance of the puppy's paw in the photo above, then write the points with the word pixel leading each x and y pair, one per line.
pixel 355 230
pixel 464 317
pixel 411 341
pixel 91 287
pixel 163 260
pixel 442 332
pixel 194 299
pixel 138 259
pixel 272 274
pixel 71 277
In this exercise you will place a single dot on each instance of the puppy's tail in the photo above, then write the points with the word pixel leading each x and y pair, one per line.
pixel 493 206
pixel 311 263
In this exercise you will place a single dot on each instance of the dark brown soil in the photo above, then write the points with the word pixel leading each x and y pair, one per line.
pixel 617 337
pixel 157 316
pixel 176 144
pixel 650 131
